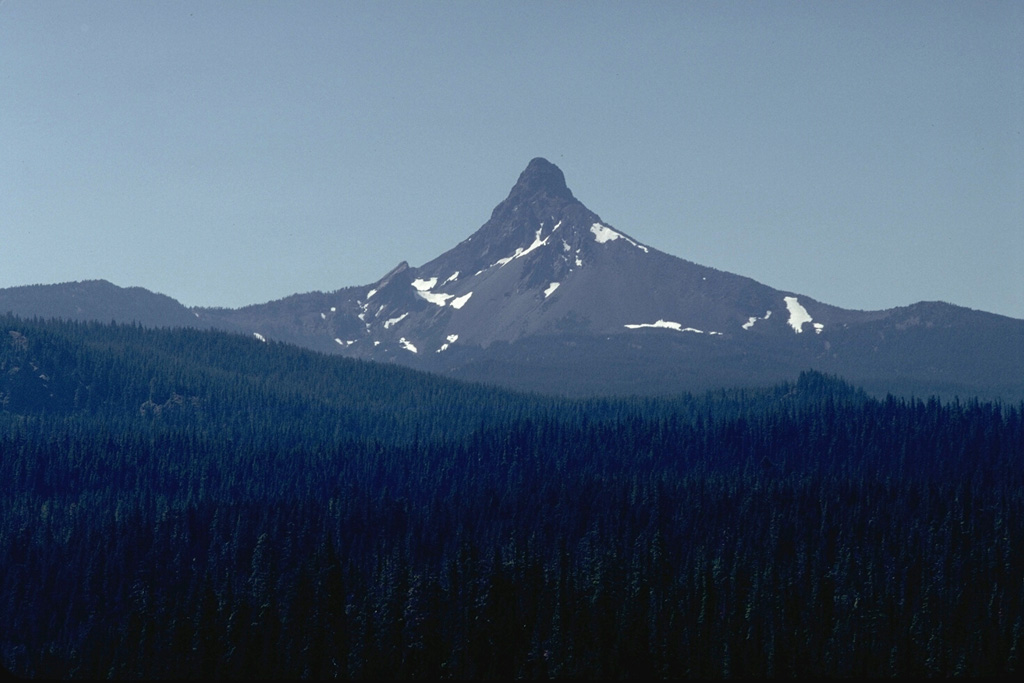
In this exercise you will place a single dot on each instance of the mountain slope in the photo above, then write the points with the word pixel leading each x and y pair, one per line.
pixel 546 296
pixel 544 264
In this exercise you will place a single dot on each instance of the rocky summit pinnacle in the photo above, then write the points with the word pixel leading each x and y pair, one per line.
pixel 540 193
pixel 541 177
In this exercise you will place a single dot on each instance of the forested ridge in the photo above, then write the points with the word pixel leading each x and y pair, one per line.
pixel 183 503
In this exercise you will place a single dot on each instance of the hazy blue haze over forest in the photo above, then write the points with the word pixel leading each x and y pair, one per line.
pixel 866 154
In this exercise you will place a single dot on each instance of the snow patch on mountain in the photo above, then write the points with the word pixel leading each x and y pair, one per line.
pixel 668 324
pixel 459 302
pixel 452 338
pixel 798 315
pixel 424 285
pixel 602 233
pixel 407 345
pixel 394 321
pixel 551 289
pixel 753 319
pixel 260 337
pixel 437 298
pixel 520 252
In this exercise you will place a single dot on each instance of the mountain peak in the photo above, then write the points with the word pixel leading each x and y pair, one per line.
pixel 541 177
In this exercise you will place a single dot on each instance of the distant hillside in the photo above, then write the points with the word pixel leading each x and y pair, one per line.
pixel 214 379
pixel 97 300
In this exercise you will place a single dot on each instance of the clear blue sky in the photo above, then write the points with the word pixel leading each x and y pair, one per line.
pixel 865 154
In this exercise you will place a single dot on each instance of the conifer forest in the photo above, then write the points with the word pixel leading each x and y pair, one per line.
pixel 191 504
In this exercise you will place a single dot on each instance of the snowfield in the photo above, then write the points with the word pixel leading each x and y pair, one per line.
pixel 753 319
pixel 798 315
pixel 520 252
pixel 424 285
pixel 459 302
pixel 602 233
pixel 678 327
